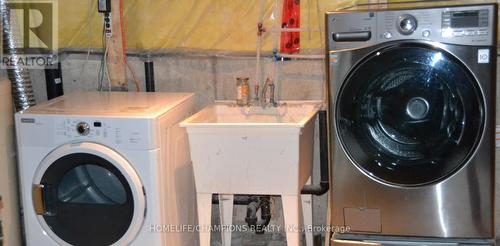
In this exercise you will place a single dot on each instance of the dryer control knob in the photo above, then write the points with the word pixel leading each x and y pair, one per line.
pixel 83 128
pixel 407 24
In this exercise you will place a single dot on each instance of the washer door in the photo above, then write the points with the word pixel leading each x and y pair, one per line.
pixel 409 115
pixel 87 194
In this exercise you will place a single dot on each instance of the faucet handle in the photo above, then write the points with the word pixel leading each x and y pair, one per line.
pixel 269 81
pixel 256 92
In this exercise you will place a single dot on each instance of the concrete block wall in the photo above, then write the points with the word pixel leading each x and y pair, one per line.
pixel 213 78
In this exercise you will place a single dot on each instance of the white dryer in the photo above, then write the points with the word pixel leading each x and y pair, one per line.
pixel 106 168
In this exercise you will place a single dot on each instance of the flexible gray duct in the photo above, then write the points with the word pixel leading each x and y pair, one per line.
pixel 22 89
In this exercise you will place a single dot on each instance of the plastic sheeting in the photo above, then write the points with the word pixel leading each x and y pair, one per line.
pixel 9 215
pixel 228 25
pixel 219 25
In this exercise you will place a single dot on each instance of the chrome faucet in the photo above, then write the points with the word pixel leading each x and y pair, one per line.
pixel 263 98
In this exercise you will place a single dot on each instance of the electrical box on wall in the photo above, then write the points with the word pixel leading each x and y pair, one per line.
pixel 104 6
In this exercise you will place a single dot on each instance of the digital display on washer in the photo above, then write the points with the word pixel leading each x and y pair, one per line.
pixel 461 19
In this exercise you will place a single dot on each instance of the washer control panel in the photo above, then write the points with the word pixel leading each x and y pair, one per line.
pixel 463 25
pixel 458 23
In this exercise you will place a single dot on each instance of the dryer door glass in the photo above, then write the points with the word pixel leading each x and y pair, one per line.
pixel 86 200
pixel 409 115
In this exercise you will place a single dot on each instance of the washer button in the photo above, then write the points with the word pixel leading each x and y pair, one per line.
pixel 469 32
pixel 387 35
pixel 426 33
pixel 482 32
pixel 458 33
pixel 447 32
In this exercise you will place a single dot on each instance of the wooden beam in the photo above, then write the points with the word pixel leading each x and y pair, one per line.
pixel 115 59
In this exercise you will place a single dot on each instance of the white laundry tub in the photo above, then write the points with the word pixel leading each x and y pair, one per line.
pixel 251 150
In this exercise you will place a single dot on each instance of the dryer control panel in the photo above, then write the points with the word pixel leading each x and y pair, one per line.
pixel 126 133
pixel 462 25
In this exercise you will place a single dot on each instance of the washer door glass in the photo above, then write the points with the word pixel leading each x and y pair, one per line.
pixel 86 200
pixel 409 115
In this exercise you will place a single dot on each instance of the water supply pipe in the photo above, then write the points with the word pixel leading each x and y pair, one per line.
pixel 22 89
pixel 324 183
pixel 260 32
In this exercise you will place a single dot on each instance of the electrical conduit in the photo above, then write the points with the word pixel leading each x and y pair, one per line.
pixel 22 88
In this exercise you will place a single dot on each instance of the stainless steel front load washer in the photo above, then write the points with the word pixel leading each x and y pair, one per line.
pixel 411 114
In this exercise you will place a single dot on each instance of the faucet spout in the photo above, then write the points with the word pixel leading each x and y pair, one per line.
pixel 271 95
pixel 263 99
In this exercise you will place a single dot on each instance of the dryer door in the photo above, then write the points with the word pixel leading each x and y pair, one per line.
pixel 409 115
pixel 87 194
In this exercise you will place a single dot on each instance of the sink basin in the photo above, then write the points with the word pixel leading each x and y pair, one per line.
pixel 223 114
pixel 252 150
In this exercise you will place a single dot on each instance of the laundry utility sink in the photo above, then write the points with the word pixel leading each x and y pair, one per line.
pixel 226 113
pixel 252 150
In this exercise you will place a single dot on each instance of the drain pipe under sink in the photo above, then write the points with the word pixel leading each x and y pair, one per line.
pixel 264 204
pixel 254 203
pixel 324 183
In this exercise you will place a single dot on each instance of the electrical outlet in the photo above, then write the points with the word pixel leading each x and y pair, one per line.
pixel 107 25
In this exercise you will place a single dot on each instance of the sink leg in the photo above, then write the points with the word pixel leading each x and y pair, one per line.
pixel 226 214
pixel 291 212
pixel 308 217
pixel 204 202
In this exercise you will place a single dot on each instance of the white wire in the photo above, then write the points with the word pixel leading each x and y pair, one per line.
pixel 106 65
pixel 259 45
pixel 278 14
pixel 318 15
pixel 309 10
pixel 90 15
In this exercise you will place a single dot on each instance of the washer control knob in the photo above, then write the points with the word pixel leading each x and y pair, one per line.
pixel 407 24
pixel 83 128
pixel 387 35
pixel 426 33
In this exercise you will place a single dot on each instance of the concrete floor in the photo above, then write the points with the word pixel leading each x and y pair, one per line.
pixel 238 238
pixel 251 239
pixel 266 239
